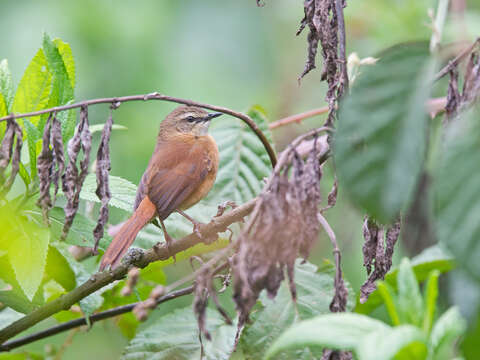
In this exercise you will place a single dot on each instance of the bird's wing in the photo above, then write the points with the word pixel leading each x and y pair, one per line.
pixel 175 172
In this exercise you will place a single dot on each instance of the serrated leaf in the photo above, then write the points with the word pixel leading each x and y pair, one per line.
pixel 175 336
pixel 27 246
pixel 62 91
pixel 446 331
pixel 457 192
pixel 433 258
pixel 34 88
pixel 379 145
pixel 66 52
pixel 314 293
pixel 80 233
pixel 33 136
pixel 6 84
pixel 243 160
pixel 123 192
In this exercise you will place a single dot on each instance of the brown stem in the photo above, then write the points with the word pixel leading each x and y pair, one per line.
pixel 10 345
pixel 297 118
pixel 101 279
pixel 116 101
pixel 452 64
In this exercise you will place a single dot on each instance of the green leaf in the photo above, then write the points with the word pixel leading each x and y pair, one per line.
pixel 81 232
pixel 334 331
pixel 66 52
pixel 410 302
pixel 175 336
pixel 445 333
pixel 8 316
pixel 24 174
pixel 59 269
pixel 99 127
pixel 388 297
pixel 401 342
pixel 62 91
pixel 33 136
pixel 27 246
pixel 457 192
pixel 93 301
pixel 34 88
pixel 380 142
pixel 13 296
pixel 6 84
pixel 243 160
pixel 430 259
pixel 123 192
pixel 314 293
pixel 3 107
pixel 431 295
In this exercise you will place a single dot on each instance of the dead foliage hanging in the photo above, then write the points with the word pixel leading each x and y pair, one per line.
pixel 204 289
pixel 458 101
pixel 13 135
pixel 72 179
pixel 323 18
pixel 377 253
pixel 284 224
pixel 102 171
pixel 50 163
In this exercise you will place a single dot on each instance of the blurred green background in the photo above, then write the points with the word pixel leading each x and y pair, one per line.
pixel 229 53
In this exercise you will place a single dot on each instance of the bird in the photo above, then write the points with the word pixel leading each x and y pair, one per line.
pixel 180 173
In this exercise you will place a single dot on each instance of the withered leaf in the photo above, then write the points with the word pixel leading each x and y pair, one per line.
pixel 102 170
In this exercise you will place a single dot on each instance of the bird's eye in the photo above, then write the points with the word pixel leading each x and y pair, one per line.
pixel 190 119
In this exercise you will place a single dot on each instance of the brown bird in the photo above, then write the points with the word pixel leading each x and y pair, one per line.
pixel 180 173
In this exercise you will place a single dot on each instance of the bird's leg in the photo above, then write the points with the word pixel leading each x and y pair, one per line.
pixel 168 238
pixel 196 224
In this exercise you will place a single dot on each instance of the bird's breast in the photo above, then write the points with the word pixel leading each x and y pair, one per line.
pixel 209 164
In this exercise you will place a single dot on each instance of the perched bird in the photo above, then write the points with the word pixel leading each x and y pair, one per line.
pixel 180 173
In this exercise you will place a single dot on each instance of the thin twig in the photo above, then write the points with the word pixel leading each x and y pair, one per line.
pixel 10 345
pixel 101 279
pixel 116 101
pixel 452 64
pixel 297 118
pixel 343 88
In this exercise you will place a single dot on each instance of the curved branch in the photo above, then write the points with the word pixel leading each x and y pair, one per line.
pixel 117 101
pixel 101 279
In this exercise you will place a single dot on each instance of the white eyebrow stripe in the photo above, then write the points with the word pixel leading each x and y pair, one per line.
pixel 190 114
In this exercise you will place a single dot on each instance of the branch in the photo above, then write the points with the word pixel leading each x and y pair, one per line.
pixel 10 345
pixel 117 101
pixel 101 279
pixel 297 117
pixel 452 64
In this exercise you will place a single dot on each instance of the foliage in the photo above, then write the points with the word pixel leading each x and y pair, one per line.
pixel 414 334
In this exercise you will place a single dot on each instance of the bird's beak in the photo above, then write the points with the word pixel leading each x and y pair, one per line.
pixel 212 116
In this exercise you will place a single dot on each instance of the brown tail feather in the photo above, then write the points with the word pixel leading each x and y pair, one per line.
pixel 127 234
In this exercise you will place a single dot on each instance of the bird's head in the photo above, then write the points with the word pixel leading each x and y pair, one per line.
pixel 187 120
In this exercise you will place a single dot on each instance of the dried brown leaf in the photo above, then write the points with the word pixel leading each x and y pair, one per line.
pixel 103 190
pixel 72 179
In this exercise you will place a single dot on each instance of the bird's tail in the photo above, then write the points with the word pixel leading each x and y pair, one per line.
pixel 127 234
